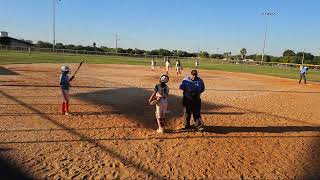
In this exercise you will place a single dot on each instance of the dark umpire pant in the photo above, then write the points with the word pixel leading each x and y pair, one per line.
pixel 192 107
pixel 304 78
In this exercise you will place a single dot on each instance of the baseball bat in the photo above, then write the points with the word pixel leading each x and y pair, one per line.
pixel 74 74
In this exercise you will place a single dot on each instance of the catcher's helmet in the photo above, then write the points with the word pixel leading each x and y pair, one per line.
pixel 65 68
pixel 164 78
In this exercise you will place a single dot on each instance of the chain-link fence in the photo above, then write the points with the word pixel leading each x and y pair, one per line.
pixel 159 59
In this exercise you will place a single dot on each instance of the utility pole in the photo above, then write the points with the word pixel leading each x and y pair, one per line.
pixel 265 34
pixel 302 57
pixel 54 23
pixel 117 39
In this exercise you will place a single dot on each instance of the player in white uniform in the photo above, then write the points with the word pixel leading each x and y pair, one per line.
pixel 197 63
pixel 178 67
pixel 153 64
pixel 160 93
pixel 168 65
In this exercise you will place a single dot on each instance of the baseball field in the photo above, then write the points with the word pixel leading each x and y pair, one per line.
pixel 257 126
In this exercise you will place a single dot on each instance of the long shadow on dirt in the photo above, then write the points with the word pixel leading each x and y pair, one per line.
pixel 313 172
pixel 266 129
pixel 132 102
pixel 9 171
pixel 5 71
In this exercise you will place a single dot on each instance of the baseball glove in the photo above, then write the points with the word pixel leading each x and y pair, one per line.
pixel 154 101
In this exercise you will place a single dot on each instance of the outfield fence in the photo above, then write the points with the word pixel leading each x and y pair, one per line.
pixel 70 52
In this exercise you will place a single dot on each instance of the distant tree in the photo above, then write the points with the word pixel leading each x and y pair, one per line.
pixel 204 54
pixel 129 51
pixel 243 53
pixel 79 47
pixel 182 54
pixel 120 50
pixel 217 56
pixel 59 46
pixel 288 52
pixel 164 52
pixel 154 52
pixel 70 46
pixel 42 44
pixel 307 56
pixel 275 59
pixel 267 58
pixel 94 44
pixel 316 60
pixel 252 56
pixel 138 51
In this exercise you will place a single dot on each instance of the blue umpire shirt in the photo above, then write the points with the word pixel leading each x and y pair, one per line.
pixel 192 88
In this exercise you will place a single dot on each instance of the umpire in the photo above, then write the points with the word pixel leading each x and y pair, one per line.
pixel 192 88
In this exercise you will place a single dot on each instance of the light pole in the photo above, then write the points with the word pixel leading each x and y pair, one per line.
pixel 302 57
pixel 54 23
pixel 117 39
pixel 265 33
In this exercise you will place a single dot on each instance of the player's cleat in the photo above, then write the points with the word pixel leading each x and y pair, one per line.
pixel 160 130
pixel 186 128
pixel 200 127
pixel 68 114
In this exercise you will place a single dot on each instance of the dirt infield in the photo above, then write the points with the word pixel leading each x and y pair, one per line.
pixel 257 127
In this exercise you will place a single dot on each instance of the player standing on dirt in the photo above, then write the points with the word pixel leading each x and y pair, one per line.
pixel 65 86
pixel 153 64
pixel 178 67
pixel 303 71
pixel 168 65
pixel 192 88
pixel 159 97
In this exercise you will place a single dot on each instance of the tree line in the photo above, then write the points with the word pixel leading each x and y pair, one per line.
pixel 288 56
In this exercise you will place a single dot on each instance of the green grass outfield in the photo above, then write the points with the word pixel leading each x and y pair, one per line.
pixel 7 57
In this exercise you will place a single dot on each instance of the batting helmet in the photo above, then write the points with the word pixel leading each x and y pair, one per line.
pixel 164 78
pixel 65 68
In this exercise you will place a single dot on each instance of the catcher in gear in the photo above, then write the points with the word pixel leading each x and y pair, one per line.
pixel 65 86
pixel 159 98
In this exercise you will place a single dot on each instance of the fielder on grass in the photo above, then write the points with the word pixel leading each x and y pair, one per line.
pixel 303 71
pixel 197 63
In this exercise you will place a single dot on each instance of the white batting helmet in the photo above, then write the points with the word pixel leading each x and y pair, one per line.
pixel 65 68
pixel 164 78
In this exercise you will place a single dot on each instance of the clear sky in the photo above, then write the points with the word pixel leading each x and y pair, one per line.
pixel 171 24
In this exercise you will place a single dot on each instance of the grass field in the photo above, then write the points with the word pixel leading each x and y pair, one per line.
pixel 22 58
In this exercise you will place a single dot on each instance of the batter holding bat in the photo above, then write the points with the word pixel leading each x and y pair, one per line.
pixel 159 98
pixel 65 86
